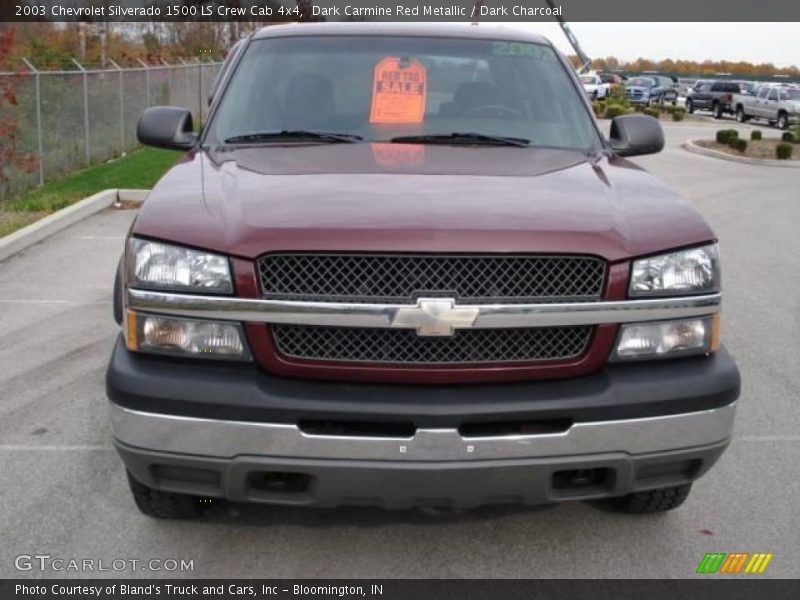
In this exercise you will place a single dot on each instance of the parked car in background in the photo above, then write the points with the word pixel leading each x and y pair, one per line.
pixel 594 87
pixel 696 96
pixel 778 105
pixel 653 89
pixel 716 97
pixel 613 80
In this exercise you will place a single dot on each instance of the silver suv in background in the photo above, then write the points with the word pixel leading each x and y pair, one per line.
pixel 778 105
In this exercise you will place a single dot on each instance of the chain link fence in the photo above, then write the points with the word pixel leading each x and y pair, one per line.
pixel 72 119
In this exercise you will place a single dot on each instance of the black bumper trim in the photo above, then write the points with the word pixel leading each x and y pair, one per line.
pixel 244 392
pixel 398 485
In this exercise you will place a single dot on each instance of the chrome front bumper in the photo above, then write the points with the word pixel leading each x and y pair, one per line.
pixel 229 439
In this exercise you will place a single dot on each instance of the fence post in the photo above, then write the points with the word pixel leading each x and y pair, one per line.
pixel 200 90
pixel 121 106
pixel 38 79
pixel 85 111
pixel 186 70
pixel 146 80
pixel 169 81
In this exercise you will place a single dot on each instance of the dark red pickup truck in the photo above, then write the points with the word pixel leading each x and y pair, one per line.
pixel 401 266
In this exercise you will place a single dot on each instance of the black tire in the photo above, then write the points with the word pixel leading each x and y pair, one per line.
pixel 652 501
pixel 783 120
pixel 163 505
pixel 717 110
pixel 740 115
pixel 118 300
pixel 689 107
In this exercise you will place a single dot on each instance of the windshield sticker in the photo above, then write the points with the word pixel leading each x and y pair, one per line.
pixel 398 91
pixel 519 49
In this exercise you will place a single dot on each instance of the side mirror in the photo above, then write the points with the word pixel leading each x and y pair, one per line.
pixel 634 135
pixel 167 127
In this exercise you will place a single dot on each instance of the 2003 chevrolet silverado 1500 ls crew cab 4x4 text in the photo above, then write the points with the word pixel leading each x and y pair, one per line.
pixel 402 266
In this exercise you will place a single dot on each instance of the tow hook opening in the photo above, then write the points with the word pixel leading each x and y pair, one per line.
pixel 581 481
pixel 279 482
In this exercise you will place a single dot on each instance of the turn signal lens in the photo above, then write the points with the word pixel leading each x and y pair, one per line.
pixel 187 337
pixel 665 339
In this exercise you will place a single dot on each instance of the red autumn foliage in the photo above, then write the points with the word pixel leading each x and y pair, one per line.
pixel 11 156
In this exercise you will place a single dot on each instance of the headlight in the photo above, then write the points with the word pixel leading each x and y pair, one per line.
pixel 667 339
pixel 185 337
pixel 158 266
pixel 693 271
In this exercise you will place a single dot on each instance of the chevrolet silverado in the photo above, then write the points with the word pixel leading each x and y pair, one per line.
pixel 402 266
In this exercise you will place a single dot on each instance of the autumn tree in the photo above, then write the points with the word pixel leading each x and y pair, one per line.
pixel 12 157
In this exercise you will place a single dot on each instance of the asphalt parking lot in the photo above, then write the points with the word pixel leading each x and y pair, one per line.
pixel 63 489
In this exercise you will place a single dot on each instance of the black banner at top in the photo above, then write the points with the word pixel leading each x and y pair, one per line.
pixel 399 10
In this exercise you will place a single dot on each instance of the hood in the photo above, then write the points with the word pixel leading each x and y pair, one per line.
pixel 413 198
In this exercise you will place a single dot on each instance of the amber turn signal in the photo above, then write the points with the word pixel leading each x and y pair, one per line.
pixel 131 331
pixel 714 345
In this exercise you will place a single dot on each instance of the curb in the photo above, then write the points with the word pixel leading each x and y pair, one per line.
pixel 44 228
pixel 690 146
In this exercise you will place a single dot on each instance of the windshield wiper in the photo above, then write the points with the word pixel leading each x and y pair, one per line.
pixel 462 138
pixel 295 134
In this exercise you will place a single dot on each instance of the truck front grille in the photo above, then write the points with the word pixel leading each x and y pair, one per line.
pixel 404 346
pixel 401 278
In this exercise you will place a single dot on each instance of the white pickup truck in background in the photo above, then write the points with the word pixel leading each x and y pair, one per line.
pixel 594 87
pixel 779 105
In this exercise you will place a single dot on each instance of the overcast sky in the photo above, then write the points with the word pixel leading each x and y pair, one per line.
pixel 778 43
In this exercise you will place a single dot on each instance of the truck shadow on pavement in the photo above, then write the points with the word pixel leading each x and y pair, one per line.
pixel 350 516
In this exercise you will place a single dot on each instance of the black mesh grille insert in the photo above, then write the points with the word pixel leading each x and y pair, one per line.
pixel 403 277
pixel 406 347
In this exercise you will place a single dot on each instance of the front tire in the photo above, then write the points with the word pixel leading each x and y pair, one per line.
pixel 652 501
pixel 783 121
pixel 717 109
pixel 163 505
pixel 689 107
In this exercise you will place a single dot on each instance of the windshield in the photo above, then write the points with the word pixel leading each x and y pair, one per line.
pixel 381 88
pixel 641 81
pixel 588 79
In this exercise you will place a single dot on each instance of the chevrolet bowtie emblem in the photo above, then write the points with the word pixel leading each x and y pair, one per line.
pixel 435 316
